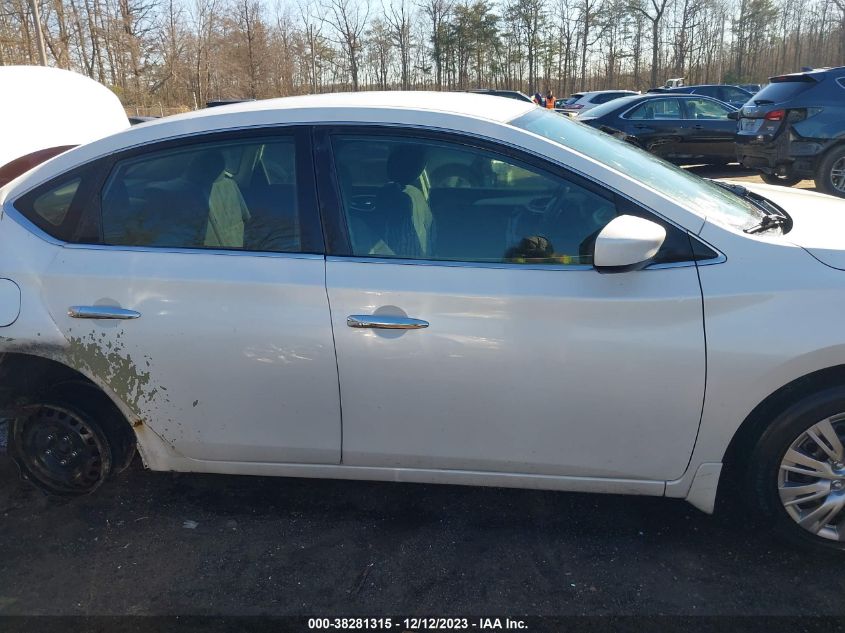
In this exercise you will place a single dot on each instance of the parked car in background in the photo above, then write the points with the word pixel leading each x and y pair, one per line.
pixel 752 88
pixel 46 111
pixel 509 94
pixel 137 120
pixel 794 128
pixel 732 95
pixel 683 129
pixel 585 317
pixel 584 101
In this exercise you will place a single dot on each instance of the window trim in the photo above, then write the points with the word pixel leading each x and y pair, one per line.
pixel 102 168
pixel 334 219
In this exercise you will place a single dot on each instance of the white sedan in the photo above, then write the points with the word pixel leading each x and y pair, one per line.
pixel 465 290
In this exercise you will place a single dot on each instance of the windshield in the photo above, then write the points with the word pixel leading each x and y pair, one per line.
pixel 686 189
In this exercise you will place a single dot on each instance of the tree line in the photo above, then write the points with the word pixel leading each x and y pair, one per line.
pixel 183 53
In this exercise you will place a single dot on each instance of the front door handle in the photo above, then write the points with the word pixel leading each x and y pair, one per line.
pixel 385 322
pixel 101 312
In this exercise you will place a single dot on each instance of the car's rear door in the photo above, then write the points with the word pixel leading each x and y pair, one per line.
pixel 197 295
pixel 472 331
pixel 710 133
pixel 657 124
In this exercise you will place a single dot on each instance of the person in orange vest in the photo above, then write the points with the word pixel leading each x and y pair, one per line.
pixel 550 100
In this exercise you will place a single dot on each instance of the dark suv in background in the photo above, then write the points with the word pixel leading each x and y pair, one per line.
pixel 794 128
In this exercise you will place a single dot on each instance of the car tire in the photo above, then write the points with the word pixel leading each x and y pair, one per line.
pixel 783 181
pixel 830 173
pixel 67 442
pixel 774 477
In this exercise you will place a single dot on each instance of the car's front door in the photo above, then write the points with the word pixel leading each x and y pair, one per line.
pixel 214 246
pixel 472 331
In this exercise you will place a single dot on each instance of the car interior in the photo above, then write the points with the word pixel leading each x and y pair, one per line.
pixel 431 200
pixel 225 196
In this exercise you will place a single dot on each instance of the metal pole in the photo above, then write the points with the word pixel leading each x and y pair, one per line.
pixel 39 35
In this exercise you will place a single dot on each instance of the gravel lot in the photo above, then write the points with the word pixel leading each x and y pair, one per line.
pixel 160 543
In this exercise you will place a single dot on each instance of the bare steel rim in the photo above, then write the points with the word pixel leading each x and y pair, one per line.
pixel 61 450
pixel 837 175
pixel 811 479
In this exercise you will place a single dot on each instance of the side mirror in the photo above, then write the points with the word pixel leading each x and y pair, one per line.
pixel 734 115
pixel 627 243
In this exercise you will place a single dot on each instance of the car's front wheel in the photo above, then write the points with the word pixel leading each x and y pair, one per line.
pixel 830 173
pixel 797 471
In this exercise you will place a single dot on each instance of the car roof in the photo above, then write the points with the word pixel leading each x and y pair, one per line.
pixel 462 103
pixel 817 73
pixel 446 110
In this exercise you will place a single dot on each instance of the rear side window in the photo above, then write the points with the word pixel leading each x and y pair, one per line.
pixel 56 206
pixel 53 205
pixel 239 195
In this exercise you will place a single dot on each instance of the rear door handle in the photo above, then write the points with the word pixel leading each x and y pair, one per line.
pixel 101 312
pixel 385 322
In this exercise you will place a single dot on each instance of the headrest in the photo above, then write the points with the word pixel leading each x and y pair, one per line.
pixel 405 163
pixel 205 167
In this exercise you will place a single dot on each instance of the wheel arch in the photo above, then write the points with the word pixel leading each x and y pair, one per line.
pixel 758 420
pixel 25 377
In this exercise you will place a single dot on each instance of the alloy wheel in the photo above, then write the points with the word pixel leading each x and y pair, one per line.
pixel 811 479
pixel 837 175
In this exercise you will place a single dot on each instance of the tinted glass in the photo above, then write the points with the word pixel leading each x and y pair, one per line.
pixel 614 105
pixel 782 91
pixel 686 189
pixel 53 205
pixel 729 93
pixel 425 199
pixel 226 195
pixel 707 91
pixel 656 110
pixel 706 109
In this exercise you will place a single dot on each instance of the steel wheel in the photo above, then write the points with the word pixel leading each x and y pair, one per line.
pixel 811 479
pixel 61 451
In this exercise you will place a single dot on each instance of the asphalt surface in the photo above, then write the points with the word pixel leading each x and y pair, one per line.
pixel 162 543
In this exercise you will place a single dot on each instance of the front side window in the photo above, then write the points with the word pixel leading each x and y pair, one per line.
pixel 656 110
pixel 239 194
pixel 706 109
pixel 427 199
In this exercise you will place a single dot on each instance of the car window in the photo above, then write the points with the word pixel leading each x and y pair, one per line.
pixel 572 99
pixel 657 109
pixel 729 93
pixel 693 192
pixel 706 109
pixel 53 205
pixel 426 199
pixel 239 194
